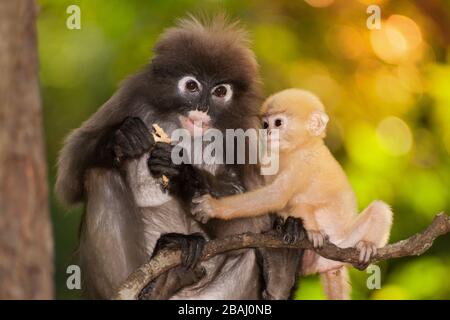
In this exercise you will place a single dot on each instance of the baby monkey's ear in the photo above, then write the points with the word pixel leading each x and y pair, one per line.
pixel 317 123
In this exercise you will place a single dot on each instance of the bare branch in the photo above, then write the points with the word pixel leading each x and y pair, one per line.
pixel 167 259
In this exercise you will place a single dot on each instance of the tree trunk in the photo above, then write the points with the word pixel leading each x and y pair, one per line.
pixel 26 250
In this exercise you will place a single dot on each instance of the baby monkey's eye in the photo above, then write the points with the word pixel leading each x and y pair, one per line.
pixel 278 122
pixel 265 124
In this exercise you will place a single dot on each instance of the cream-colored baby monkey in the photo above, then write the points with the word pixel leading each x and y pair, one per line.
pixel 310 185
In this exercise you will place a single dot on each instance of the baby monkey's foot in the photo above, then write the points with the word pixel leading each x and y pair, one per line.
pixel 317 238
pixel 202 208
pixel 367 250
pixel 291 229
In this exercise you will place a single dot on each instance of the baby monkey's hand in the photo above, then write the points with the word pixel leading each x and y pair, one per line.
pixel 203 208
pixel 317 238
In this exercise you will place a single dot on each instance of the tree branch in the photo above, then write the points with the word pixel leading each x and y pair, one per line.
pixel 167 259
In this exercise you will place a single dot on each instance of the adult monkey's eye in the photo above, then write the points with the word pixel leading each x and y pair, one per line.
pixel 220 91
pixel 223 92
pixel 265 124
pixel 278 122
pixel 192 86
pixel 189 84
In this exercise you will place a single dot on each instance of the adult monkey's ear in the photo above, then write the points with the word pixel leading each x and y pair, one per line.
pixel 317 123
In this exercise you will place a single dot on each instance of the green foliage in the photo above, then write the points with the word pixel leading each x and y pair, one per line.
pixel 389 103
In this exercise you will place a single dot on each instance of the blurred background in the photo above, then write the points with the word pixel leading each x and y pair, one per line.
pixel 387 92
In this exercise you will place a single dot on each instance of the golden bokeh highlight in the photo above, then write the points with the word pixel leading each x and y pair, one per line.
pixel 390 90
pixel 399 40
pixel 409 77
pixel 394 136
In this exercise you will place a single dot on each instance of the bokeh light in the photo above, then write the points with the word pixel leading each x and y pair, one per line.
pixel 398 40
pixel 394 136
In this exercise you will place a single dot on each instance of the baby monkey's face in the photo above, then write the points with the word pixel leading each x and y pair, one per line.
pixel 292 118
pixel 278 130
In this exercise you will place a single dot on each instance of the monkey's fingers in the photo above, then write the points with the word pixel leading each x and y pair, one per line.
pixel 196 243
pixel 288 232
pixel 368 254
pixel 317 238
pixel 160 163
pixel 137 135
pixel 158 171
pixel 199 214
pixel 278 224
pixel 362 251
pixel 321 239
pixel 198 200
pixel 191 246
pixel 118 155
pixel 122 146
pixel 160 155
pixel 366 250
pixel 130 140
pixel 292 230
pixel 311 237
pixel 162 149
pixel 204 219
pixel 156 161
pixel 201 199
pixel 145 140
pixel 167 240
pixel 374 251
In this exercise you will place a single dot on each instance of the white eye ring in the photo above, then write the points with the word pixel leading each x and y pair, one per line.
pixel 228 94
pixel 184 81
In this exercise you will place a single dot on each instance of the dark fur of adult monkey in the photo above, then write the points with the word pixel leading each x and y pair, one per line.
pixel 197 71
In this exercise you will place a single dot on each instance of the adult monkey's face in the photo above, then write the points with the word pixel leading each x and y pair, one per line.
pixel 207 76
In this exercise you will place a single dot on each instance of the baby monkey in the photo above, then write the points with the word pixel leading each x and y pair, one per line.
pixel 311 185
